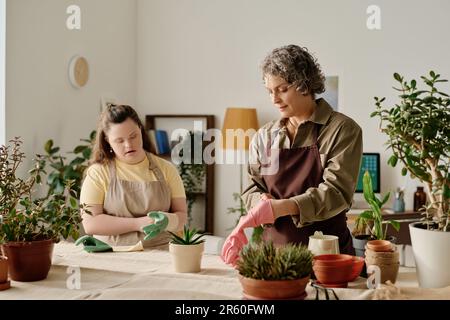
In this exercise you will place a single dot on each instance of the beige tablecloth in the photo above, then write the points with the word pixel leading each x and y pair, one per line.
pixel 150 275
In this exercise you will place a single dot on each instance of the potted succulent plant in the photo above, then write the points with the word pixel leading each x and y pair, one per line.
pixel 418 127
pixel 269 272
pixel 30 226
pixel 369 224
pixel 187 250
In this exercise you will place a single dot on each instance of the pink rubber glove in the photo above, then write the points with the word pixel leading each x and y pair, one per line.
pixel 262 213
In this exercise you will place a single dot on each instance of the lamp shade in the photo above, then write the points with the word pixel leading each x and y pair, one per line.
pixel 239 126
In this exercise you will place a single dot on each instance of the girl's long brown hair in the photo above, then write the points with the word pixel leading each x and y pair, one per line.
pixel 113 114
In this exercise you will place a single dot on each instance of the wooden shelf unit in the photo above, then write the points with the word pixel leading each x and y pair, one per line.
pixel 209 176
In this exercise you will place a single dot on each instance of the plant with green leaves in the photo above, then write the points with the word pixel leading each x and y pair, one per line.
pixel 189 237
pixel 373 217
pixel 24 218
pixel 192 172
pixel 418 128
pixel 264 261
pixel 64 171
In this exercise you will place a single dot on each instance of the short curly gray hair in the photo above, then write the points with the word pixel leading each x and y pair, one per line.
pixel 295 65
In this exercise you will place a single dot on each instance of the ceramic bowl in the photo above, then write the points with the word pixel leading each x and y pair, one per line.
pixel 358 264
pixel 328 260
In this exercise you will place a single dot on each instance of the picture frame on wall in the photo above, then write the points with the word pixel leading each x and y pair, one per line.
pixel 331 94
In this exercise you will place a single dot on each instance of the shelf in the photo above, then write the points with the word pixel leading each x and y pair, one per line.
pixel 170 122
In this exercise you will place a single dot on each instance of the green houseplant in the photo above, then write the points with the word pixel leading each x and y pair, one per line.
pixel 369 224
pixel 372 220
pixel 191 172
pixel 269 272
pixel 418 130
pixel 63 170
pixel 187 250
pixel 30 224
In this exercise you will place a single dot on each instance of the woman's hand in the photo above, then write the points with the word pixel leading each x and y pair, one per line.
pixel 141 222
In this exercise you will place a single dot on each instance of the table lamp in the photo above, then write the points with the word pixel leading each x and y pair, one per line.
pixel 235 119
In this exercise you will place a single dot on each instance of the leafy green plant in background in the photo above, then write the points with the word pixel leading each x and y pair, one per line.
pixel 240 208
pixel 373 217
pixel 24 218
pixel 189 237
pixel 64 171
pixel 418 127
pixel 266 262
pixel 193 173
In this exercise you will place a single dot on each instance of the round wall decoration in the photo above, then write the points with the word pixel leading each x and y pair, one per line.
pixel 78 71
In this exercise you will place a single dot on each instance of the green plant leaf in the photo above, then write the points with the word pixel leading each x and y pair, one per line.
pixel 48 146
pixel 395 224
pixel 385 199
pixel 393 160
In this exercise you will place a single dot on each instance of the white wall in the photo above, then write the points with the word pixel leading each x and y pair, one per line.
pixel 198 56
pixel 40 102
pixel 2 69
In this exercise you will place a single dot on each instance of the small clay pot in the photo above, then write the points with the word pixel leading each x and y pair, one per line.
pixel 383 254
pixel 3 269
pixel 381 260
pixel 332 260
pixel 388 271
pixel 379 245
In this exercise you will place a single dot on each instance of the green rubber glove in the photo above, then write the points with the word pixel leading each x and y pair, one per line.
pixel 92 244
pixel 160 224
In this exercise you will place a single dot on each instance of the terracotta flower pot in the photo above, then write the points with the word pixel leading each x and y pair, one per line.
pixel 388 255
pixel 4 282
pixel 388 271
pixel 381 260
pixel 3 269
pixel 29 261
pixel 379 245
pixel 274 289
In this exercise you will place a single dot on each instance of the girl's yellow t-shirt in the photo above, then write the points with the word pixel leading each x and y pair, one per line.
pixel 97 179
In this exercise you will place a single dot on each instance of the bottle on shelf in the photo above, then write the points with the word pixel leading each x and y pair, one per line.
pixel 420 198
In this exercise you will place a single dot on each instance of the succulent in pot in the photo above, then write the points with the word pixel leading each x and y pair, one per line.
pixel 269 272
pixel 187 250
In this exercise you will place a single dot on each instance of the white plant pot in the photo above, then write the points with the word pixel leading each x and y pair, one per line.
pixel 431 251
pixel 187 258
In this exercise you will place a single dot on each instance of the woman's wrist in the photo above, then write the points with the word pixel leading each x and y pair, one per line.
pixel 284 207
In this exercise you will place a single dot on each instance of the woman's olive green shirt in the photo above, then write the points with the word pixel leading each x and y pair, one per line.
pixel 340 148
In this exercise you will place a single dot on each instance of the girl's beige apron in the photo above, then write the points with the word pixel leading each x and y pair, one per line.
pixel 133 199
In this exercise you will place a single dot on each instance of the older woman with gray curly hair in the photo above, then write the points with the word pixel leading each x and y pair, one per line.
pixel 314 152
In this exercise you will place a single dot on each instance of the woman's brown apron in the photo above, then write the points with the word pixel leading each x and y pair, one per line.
pixel 300 169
